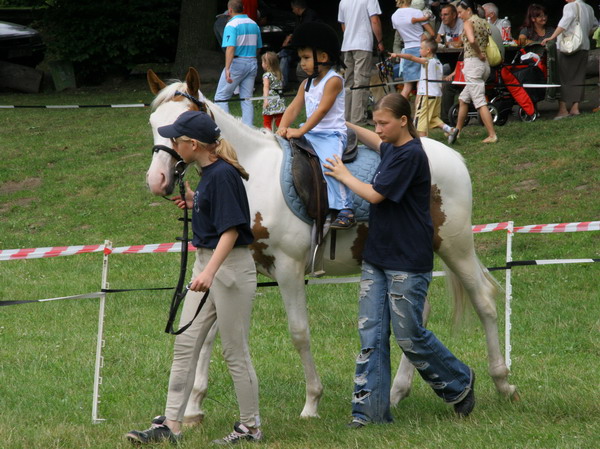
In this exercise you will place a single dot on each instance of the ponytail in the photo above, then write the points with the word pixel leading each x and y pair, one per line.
pixel 226 152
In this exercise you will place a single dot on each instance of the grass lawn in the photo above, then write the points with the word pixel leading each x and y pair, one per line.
pixel 75 177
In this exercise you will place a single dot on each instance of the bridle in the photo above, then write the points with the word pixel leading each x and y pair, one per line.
pixel 181 289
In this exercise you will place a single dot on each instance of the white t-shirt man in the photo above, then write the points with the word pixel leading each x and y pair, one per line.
pixel 452 33
pixel 356 17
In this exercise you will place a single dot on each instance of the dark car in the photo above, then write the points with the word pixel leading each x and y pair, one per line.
pixel 20 44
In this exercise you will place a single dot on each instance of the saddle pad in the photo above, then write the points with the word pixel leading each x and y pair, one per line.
pixel 363 168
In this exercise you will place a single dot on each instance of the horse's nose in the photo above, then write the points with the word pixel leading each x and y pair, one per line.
pixel 157 183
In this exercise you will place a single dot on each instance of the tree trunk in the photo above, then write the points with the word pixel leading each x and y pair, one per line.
pixel 196 35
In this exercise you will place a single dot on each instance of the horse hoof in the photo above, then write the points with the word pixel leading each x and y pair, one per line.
pixel 306 413
pixel 515 397
pixel 193 421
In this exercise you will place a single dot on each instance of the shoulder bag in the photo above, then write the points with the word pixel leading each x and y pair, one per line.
pixel 571 42
pixel 492 52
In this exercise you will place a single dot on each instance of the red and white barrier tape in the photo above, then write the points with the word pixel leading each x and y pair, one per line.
pixel 478 229
pixel 559 227
pixel 36 253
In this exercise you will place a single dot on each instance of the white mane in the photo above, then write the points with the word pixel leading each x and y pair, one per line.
pixel 167 94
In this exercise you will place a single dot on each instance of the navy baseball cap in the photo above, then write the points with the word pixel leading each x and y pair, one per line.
pixel 193 124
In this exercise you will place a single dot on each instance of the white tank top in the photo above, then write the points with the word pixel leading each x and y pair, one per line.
pixel 334 119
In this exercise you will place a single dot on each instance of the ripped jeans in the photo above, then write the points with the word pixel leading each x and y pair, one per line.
pixel 395 300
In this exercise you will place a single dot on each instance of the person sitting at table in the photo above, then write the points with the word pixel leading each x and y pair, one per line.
pixel 535 27
pixel 491 14
pixel 450 28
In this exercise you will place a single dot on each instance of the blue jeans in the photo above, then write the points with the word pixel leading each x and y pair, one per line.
pixel 243 73
pixel 394 300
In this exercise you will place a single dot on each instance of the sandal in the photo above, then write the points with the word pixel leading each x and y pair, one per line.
pixel 344 220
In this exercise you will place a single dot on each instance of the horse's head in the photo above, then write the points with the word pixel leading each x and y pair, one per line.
pixel 170 101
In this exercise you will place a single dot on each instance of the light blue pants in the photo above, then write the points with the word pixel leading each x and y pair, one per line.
pixel 243 73
pixel 326 144
pixel 394 300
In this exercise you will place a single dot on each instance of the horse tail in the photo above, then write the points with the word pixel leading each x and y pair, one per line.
pixel 486 285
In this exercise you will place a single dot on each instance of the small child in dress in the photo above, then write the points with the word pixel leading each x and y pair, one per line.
pixel 429 90
pixel 272 85
pixel 322 95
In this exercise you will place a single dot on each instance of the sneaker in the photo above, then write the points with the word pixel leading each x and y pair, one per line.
pixel 453 135
pixel 356 423
pixel 467 404
pixel 157 432
pixel 344 220
pixel 240 433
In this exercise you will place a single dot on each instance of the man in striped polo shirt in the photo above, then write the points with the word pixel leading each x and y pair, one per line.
pixel 241 40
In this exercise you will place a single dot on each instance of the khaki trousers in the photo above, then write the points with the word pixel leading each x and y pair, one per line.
pixel 358 73
pixel 230 305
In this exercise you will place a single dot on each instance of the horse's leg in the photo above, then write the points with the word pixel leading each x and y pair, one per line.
pixel 291 285
pixel 406 370
pixel 481 289
pixel 194 414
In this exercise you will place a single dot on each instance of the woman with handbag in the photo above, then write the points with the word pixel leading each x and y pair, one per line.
pixel 573 32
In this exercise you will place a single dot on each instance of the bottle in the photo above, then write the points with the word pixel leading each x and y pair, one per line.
pixel 506 31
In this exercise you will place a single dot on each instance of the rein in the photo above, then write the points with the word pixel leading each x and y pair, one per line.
pixel 180 289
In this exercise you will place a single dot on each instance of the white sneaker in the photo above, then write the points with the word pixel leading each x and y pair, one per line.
pixel 240 433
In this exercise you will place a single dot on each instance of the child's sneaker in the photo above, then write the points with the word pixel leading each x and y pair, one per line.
pixel 453 135
pixel 344 220
pixel 157 432
pixel 240 433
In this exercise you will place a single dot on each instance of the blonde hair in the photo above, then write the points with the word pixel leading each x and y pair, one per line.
pixel 401 3
pixel 272 62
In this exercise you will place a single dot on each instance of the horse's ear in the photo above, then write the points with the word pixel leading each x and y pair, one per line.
pixel 192 80
pixel 155 83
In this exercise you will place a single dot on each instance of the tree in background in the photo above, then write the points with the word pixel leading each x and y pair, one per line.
pixel 196 20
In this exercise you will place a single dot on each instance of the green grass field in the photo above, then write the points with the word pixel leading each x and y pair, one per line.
pixel 74 177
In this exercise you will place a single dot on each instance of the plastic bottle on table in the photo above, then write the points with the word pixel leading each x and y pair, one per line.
pixel 506 31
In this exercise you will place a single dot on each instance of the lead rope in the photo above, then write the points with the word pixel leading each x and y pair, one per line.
pixel 180 291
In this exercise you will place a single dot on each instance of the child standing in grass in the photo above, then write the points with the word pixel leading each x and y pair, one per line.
pixel 272 85
pixel 429 90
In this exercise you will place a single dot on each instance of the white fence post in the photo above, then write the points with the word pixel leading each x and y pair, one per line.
pixel 100 339
pixel 508 298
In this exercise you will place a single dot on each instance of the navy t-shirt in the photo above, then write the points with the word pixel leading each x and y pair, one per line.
pixel 220 203
pixel 400 228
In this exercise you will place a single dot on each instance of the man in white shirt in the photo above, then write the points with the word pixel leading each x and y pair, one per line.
pixel 491 13
pixel 360 21
pixel 451 27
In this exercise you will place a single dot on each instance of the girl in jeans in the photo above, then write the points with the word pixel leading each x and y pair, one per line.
pixel 396 271
pixel 221 228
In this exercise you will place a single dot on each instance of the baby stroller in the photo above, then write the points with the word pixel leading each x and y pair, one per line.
pixel 528 67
